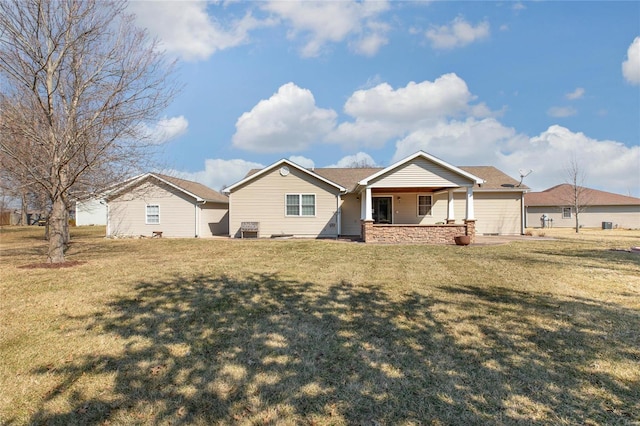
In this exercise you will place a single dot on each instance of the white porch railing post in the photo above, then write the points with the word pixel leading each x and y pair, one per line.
pixel 470 212
pixel 450 213
pixel 367 206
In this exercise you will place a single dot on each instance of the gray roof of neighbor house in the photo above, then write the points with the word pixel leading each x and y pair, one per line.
pixel 349 177
pixel 195 189
pixel 560 195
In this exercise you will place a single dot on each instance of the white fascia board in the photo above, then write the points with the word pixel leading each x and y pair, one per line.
pixel 429 157
pixel 280 163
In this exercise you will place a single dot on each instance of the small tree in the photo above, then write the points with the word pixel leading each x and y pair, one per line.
pixel 577 196
pixel 78 81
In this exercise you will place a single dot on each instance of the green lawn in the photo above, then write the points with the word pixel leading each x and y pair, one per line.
pixel 214 331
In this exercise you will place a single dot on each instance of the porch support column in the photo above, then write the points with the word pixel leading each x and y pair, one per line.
pixel 367 205
pixel 470 212
pixel 451 217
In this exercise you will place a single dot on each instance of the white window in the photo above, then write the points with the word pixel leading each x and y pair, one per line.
pixel 300 204
pixel 153 214
pixel 424 205
pixel 566 212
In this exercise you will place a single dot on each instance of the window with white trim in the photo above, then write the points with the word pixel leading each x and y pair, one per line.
pixel 424 205
pixel 300 204
pixel 566 212
pixel 152 214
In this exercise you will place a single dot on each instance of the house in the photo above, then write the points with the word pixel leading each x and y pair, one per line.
pixel 420 198
pixel 600 209
pixel 158 205
pixel 91 211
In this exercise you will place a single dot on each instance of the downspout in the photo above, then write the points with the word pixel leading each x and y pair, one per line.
pixel 108 222
pixel 522 214
pixel 197 224
pixel 338 215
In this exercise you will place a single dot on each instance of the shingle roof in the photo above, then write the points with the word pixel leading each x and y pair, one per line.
pixel 494 179
pixel 560 195
pixel 195 188
pixel 349 177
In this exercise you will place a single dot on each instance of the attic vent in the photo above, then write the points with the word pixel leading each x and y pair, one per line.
pixel 284 170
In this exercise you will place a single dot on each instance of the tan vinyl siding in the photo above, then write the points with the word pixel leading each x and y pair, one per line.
pixel 498 212
pixel 350 211
pixel 420 172
pixel 214 219
pixel 127 212
pixel 591 217
pixel 263 200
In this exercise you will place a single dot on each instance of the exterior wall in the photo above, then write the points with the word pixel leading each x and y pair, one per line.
pixel 263 200
pixel 214 219
pixel 498 212
pixel 350 215
pixel 91 212
pixel 591 217
pixel 417 173
pixel 127 212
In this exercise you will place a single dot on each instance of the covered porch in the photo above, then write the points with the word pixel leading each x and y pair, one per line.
pixel 417 214
pixel 417 200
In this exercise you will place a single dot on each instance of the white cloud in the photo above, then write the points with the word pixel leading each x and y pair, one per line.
pixel 164 130
pixel 359 159
pixel 469 142
pixel 288 121
pixel 302 161
pixel 382 113
pixel 561 112
pixel 608 165
pixel 325 22
pixel 459 33
pixel 186 29
pixel 576 94
pixel 631 66
pixel 219 173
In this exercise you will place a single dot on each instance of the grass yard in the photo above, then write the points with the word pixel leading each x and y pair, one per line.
pixel 213 331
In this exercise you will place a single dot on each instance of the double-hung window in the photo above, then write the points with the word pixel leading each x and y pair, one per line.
pixel 566 212
pixel 152 214
pixel 300 205
pixel 424 205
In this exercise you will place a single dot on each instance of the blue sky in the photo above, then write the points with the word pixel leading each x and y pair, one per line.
pixel 528 85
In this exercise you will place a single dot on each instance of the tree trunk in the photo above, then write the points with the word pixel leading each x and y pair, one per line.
pixel 57 231
pixel 577 222
pixel 23 215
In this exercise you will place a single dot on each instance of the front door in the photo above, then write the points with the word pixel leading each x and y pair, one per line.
pixel 382 210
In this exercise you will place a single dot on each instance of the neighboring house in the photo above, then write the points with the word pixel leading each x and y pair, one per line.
pixel 91 211
pixel 599 209
pixel 155 204
pixel 420 198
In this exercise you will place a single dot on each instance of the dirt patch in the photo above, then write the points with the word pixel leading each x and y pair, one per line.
pixel 53 265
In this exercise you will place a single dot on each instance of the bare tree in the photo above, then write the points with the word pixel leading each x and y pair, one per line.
pixel 79 83
pixel 577 196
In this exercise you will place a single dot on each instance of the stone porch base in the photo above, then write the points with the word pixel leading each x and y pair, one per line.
pixel 430 234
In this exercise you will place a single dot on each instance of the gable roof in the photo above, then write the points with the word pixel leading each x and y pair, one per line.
pixel 194 189
pixel 560 194
pixel 427 157
pixel 494 179
pixel 284 162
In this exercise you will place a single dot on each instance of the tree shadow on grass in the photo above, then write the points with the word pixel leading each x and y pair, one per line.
pixel 263 349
